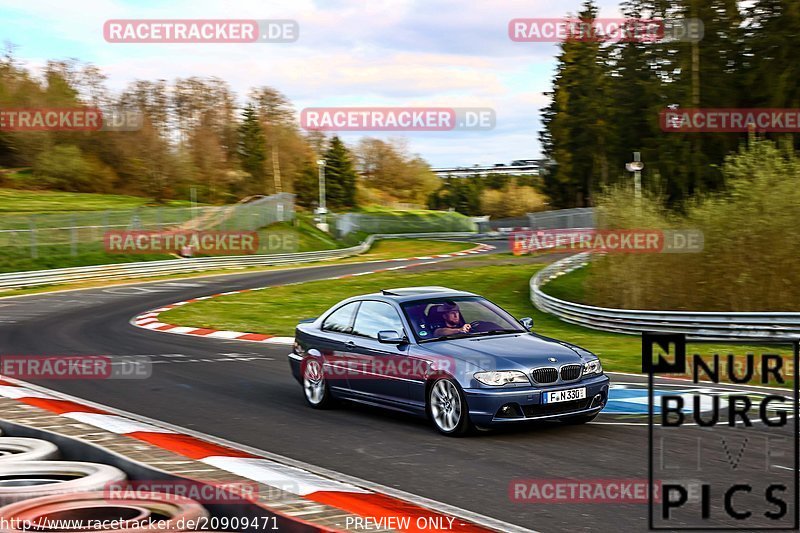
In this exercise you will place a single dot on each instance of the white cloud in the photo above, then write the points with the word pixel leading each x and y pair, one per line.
pixel 350 53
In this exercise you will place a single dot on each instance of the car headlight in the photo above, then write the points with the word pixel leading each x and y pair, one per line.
pixel 592 367
pixel 498 378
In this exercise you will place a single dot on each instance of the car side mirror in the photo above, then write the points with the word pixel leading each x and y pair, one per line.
pixel 390 336
pixel 526 322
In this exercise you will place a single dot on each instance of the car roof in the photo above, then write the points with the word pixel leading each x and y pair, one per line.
pixel 408 294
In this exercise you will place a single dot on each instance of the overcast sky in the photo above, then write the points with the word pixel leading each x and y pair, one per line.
pixel 444 53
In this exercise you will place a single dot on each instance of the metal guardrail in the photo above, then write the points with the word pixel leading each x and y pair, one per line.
pixel 696 325
pixel 34 278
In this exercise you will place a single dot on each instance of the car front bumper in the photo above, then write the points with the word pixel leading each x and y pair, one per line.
pixel 486 406
pixel 295 363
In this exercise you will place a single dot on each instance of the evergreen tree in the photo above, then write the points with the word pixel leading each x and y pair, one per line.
pixel 252 150
pixel 633 99
pixel 340 176
pixel 575 123
pixel 771 69
pixel 306 185
pixel 460 194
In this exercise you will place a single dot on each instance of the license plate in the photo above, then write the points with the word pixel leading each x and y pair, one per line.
pixel 567 395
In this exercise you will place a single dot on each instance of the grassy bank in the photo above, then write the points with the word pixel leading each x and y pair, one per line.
pixel 17 259
pixel 277 310
pixel 569 287
pixel 17 201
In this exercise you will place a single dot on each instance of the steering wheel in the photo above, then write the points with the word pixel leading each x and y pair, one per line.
pixel 479 326
pixel 475 325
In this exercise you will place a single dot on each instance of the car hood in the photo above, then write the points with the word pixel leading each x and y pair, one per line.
pixel 505 352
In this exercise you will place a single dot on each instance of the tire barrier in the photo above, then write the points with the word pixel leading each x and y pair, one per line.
pixel 75 495
pixel 140 513
pixel 22 449
pixel 22 480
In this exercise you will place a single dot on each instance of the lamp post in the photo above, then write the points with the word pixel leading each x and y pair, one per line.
pixel 322 210
pixel 636 167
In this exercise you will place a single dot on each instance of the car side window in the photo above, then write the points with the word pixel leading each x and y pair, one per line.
pixel 376 316
pixel 341 320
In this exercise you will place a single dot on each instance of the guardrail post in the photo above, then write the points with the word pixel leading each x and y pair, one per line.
pixel 32 225
pixel 73 231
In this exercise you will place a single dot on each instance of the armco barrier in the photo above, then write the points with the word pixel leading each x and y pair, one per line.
pixel 16 280
pixel 696 325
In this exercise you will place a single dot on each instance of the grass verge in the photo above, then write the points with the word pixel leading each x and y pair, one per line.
pixel 277 310
pixel 19 201
pixel 569 287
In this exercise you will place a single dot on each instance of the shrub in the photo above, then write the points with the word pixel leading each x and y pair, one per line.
pixel 751 233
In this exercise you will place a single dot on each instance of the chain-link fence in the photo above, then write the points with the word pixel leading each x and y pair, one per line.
pixel 402 222
pixel 581 217
pixel 82 232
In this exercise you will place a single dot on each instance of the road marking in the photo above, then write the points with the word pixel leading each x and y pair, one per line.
pixel 149 320
pixel 200 446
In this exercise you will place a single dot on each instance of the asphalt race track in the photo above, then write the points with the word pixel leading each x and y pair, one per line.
pixel 244 392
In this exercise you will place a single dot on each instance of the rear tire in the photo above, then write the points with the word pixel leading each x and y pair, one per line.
pixel 448 409
pixel 315 386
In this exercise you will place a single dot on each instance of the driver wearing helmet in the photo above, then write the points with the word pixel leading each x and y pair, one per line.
pixel 453 321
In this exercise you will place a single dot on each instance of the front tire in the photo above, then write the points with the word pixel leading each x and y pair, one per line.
pixel 315 386
pixel 448 408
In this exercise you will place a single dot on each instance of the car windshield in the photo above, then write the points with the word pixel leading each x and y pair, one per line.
pixel 447 318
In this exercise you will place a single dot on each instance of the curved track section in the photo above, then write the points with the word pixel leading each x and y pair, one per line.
pixel 244 393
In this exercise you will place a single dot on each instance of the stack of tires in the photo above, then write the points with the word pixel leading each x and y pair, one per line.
pixel 39 492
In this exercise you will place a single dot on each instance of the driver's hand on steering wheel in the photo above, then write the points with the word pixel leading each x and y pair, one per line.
pixel 466 328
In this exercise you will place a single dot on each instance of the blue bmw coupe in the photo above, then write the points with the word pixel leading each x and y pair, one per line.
pixel 449 355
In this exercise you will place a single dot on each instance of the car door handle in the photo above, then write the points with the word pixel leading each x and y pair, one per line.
pixel 350 344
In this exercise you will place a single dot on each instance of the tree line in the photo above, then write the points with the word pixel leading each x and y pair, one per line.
pixel 606 97
pixel 195 135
